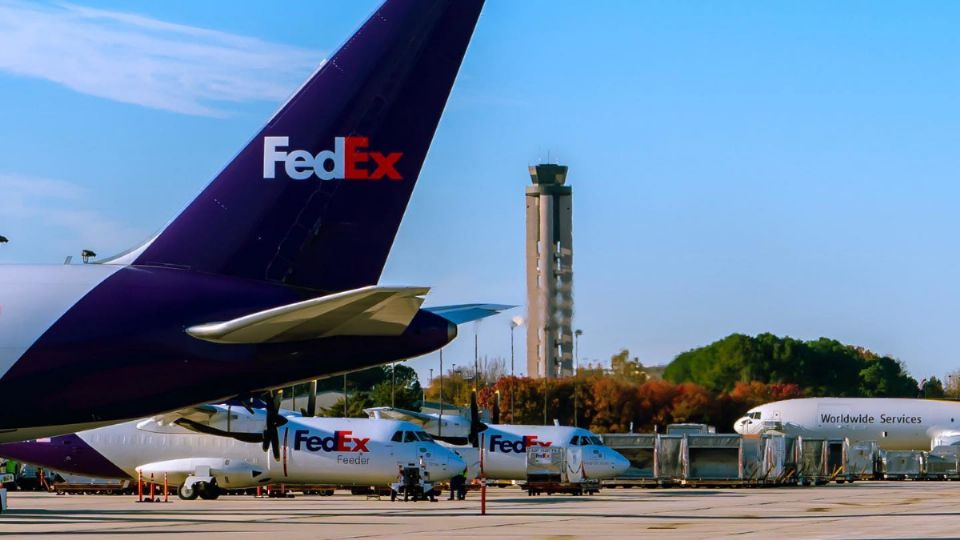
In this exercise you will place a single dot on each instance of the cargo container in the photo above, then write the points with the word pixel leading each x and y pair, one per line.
pixel 903 464
pixel 639 448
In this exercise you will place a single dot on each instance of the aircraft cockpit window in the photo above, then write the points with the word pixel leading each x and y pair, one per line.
pixel 575 441
pixel 424 436
pixel 397 437
pixel 754 415
pixel 408 436
pixel 596 440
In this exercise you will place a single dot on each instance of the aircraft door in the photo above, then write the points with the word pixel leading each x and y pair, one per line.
pixel 575 463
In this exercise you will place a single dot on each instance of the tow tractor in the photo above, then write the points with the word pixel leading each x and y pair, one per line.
pixel 413 483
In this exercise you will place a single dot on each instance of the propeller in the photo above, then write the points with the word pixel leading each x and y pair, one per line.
pixel 476 426
pixel 271 435
pixel 311 409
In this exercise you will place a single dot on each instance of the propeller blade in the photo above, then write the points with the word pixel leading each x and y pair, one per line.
pixel 312 399
pixel 476 426
pixel 275 442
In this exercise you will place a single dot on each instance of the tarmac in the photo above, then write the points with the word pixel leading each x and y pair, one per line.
pixel 860 510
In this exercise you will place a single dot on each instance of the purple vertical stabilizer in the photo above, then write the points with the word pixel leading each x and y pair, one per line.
pixel 316 198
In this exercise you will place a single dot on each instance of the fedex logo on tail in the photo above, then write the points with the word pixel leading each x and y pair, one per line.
pixel 340 441
pixel 499 444
pixel 349 160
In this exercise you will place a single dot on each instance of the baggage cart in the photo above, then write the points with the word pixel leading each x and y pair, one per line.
pixel 903 464
pixel 639 448
pixel 710 459
pixel 667 460
pixel 552 469
pixel 943 463
pixel 751 459
pixel 812 461
pixel 860 460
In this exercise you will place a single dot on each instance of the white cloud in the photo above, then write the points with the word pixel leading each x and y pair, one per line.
pixel 144 61
pixel 61 212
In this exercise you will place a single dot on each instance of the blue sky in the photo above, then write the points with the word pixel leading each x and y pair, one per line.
pixel 737 167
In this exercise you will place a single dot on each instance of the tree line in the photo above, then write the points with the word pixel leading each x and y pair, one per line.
pixel 714 384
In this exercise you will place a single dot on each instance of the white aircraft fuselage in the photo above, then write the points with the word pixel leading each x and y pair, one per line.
pixel 334 451
pixel 895 423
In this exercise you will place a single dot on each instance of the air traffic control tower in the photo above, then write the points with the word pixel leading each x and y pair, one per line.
pixel 549 273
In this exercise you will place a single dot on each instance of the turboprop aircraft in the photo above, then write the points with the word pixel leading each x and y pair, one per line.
pixel 505 446
pixel 313 451
pixel 267 278
pixel 895 423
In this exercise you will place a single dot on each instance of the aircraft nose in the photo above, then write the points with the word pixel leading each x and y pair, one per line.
pixel 620 463
pixel 450 464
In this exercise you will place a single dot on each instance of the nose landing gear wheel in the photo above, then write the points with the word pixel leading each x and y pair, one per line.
pixel 188 493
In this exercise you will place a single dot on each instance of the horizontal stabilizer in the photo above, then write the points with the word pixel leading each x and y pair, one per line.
pixel 467 312
pixel 368 311
pixel 393 413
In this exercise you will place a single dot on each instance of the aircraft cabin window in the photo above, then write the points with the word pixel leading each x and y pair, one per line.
pixel 397 437
pixel 408 436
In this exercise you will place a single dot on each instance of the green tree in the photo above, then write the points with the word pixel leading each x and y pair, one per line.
pixel 404 392
pixel 822 367
pixel 933 389
pixel 886 377
pixel 356 403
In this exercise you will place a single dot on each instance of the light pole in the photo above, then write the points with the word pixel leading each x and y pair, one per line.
pixel 576 373
pixel 546 372
pixel 424 401
pixel 476 359
pixel 514 323
pixel 440 422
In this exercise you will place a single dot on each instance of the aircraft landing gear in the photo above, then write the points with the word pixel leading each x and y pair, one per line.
pixel 188 493
pixel 209 491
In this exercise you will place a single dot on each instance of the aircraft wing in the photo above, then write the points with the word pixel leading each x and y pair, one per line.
pixel 368 311
pixel 200 413
pixel 399 414
pixel 467 312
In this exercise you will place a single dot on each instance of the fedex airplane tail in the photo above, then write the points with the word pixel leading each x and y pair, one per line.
pixel 316 198
pixel 269 276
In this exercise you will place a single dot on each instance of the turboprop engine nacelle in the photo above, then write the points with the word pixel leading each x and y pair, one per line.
pixel 229 473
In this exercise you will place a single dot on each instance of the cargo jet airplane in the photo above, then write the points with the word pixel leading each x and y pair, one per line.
pixel 894 423
pixel 270 275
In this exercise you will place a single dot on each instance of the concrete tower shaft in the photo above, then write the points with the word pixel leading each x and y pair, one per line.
pixel 549 258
